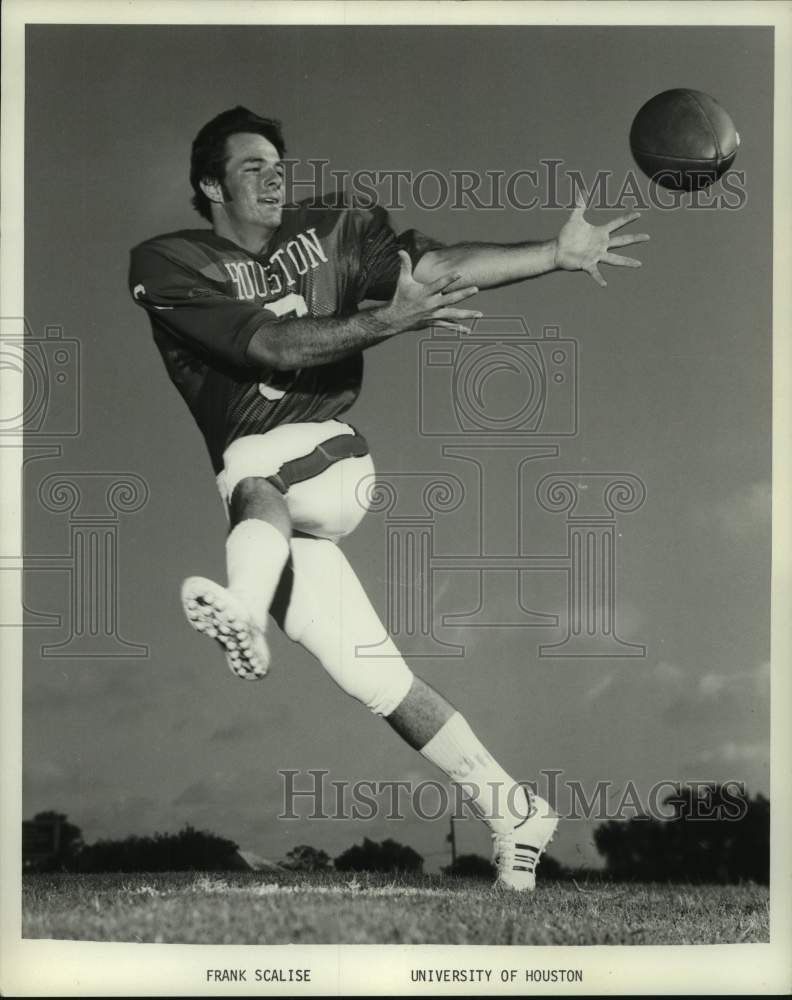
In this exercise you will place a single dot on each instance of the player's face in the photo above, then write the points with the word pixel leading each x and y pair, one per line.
pixel 253 185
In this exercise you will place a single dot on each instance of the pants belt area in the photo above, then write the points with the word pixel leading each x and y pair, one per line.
pixel 322 457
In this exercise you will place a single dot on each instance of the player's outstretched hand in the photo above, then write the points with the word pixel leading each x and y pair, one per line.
pixel 416 306
pixel 582 247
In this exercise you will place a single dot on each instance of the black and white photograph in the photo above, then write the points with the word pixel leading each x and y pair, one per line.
pixel 395 414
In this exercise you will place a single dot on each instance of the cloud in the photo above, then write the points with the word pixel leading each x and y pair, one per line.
pixel 198 793
pixel 712 684
pixel 762 677
pixel 598 689
pixel 732 753
pixel 62 778
pixel 732 695
pixel 126 813
pixel 228 788
pixel 755 681
pixel 746 511
pixel 668 673
pixel 66 688
pixel 629 619
pixel 44 772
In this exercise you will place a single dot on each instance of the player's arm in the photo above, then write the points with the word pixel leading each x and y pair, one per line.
pixel 245 335
pixel 307 342
pixel 578 247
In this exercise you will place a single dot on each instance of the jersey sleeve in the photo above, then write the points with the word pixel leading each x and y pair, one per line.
pixel 194 309
pixel 379 261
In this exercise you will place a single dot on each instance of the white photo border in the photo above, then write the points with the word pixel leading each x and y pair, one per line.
pixel 66 968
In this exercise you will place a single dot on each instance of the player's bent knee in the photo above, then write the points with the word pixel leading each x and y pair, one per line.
pixel 381 683
pixel 253 496
pixel 330 614
pixel 393 689
pixel 329 503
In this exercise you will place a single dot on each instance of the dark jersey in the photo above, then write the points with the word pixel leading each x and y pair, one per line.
pixel 206 297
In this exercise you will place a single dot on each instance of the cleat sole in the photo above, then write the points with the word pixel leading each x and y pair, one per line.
pixel 217 614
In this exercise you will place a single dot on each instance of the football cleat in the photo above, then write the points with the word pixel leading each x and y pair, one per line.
pixel 516 853
pixel 219 614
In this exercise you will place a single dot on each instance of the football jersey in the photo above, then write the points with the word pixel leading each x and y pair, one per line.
pixel 206 296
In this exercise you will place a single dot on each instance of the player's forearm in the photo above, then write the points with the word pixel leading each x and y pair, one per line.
pixel 488 265
pixel 308 341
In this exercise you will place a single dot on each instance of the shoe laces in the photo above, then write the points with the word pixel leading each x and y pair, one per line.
pixel 511 855
pixel 506 847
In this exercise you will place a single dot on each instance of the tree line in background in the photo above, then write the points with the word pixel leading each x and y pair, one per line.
pixel 692 845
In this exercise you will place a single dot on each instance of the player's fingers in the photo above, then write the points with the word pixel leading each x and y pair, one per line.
pixel 456 314
pixel 433 287
pixel 619 261
pixel 581 200
pixel 627 240
pixel 446 325
pixel 405 264
pixel 622 221
pixel 595 274
pixel 459 295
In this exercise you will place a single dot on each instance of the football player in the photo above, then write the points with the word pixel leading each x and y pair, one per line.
pixel 259 324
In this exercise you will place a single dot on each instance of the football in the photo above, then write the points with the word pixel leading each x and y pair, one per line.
pixel 683 139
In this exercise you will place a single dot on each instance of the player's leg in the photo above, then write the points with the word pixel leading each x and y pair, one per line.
pixel 269 481
pixel 257 545
pixel 322 605
pixel 522 824
pixel 257 548
pixel 289 479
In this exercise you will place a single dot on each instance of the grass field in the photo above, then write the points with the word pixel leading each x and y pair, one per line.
pixel 258 908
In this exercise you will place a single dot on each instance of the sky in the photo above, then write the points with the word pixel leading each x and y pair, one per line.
pixel 673 388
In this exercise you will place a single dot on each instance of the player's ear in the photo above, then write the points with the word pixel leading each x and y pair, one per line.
pixel 213 190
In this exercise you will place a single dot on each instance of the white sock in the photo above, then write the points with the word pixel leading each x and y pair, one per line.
pixel 256 553
pixel 456 749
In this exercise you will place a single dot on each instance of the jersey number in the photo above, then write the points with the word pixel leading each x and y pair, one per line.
pixel 291 303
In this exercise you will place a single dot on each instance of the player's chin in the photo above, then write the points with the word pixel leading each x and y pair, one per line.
pixel 271 214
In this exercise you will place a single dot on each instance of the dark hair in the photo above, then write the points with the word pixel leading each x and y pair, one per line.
pixel 209 156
